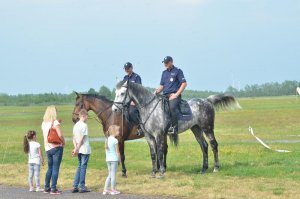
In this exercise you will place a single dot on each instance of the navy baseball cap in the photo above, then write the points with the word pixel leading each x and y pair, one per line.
pixel 127 65
pixel 167 59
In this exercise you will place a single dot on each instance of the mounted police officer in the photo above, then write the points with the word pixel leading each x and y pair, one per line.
pixel 133 112
pixel 172 84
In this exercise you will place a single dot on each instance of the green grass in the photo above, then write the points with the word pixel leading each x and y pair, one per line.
pixel 248 170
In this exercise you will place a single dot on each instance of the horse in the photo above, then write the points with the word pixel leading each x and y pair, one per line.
pixel 155 120
pixel 101 106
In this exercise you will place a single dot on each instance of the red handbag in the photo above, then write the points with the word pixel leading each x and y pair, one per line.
pixel 53 137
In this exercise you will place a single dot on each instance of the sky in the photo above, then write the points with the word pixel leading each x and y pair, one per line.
pixel 64 45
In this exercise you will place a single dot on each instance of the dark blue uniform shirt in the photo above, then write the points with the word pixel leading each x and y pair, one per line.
pixel 171 80
pixel 133 78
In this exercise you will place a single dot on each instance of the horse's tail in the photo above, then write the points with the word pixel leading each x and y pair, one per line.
pixel 174 139
pixel 225 102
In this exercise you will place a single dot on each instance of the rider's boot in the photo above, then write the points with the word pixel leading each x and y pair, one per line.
pixel 139 131
pixel 173 129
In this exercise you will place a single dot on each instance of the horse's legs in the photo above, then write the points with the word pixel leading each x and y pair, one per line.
pixel 198 133
pixel 165 150
pixel 122 154
pixel 152 145
pixel 160 140
pixel 214 145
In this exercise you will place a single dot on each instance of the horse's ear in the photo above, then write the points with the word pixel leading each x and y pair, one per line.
pixel 78 95
pixel 126 82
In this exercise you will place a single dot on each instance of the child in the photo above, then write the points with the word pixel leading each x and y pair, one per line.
pixel 112 159
pixel 82 149
pixel 35 158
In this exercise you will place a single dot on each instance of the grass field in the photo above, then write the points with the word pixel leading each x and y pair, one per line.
pixel 247 169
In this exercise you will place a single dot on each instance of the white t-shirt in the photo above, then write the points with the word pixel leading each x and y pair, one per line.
pixel 81 129
pixel 45 128
pixel 33 154
pixel 111 153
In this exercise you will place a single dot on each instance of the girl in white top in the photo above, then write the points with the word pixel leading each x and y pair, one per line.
pixel 112 159
pixel 35 159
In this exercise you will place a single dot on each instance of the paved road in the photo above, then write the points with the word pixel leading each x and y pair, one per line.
pixel 7 192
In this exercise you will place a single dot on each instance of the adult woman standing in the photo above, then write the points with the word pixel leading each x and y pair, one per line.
pixel 54 151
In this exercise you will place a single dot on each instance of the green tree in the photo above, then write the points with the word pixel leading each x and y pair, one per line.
pixel 105 92
pixel 92 91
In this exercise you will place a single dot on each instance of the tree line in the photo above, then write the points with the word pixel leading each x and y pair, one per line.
pixel 267 89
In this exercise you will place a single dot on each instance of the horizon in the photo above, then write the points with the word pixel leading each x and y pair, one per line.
pixel 111 89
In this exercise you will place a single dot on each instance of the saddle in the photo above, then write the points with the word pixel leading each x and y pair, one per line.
pixel 185 112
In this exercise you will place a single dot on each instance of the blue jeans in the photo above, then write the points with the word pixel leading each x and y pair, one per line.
pixel 112 167
pixel 34 170
pixel 79 179
pixel 54 159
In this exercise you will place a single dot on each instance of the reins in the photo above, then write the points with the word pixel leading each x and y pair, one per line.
pixel 140 106
pixel 82 106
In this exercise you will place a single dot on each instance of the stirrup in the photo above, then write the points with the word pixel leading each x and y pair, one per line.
pixel 173 130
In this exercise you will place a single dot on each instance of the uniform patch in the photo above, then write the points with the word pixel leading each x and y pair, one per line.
pixel 171 80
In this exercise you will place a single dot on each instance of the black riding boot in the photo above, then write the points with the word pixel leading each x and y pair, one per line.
pixel 174 109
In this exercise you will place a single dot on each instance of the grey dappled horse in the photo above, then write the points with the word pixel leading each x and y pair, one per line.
pixel 155 120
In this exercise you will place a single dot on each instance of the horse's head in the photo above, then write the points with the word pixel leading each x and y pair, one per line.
pixel 79 104
pixel 122 98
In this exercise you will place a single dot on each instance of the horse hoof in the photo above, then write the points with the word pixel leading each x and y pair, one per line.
pixel 153 175
pixel 203 171
pixel 161 175
pixel 216 170
pixel 124 175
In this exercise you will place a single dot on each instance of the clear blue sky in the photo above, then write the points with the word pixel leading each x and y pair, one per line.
pixel 65 45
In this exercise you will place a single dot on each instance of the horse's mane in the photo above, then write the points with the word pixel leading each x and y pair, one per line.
pixel 141 90
pixel 101 97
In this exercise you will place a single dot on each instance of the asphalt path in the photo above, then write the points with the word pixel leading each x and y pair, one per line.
pixel 8 192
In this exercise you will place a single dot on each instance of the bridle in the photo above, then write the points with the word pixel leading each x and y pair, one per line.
pixel 82 106
pixel 124 105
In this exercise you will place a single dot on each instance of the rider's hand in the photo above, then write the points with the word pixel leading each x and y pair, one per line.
pixel 173 96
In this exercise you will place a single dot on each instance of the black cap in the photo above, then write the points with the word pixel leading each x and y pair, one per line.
pixel 167 59
pixel 127 65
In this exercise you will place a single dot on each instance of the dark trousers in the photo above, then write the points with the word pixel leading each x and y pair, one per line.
pixel 134 115
pixel 174 110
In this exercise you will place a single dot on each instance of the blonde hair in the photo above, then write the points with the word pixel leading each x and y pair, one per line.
pixel 111 131
pixel 50 114
pixel 82 112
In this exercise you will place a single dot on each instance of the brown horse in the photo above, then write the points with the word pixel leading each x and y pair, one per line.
pixel 101 106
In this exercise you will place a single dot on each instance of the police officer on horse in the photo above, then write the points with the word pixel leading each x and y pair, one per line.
pixel 172 84
pixel 133 112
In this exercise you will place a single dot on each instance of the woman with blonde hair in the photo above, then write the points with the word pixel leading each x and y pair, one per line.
pixel 54 150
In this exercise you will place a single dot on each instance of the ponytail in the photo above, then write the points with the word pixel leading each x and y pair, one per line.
pixel 26 144
pixel 106 145
pixel 28 136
